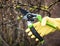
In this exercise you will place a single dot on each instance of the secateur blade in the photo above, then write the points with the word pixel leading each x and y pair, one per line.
pixel 23 11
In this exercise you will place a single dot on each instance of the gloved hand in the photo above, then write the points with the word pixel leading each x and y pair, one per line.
pixel 55 21
pixel 44 29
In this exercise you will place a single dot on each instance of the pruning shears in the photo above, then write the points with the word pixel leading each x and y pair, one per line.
pixel 30 18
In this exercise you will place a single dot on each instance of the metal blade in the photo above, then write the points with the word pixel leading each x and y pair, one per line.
pixel 24 12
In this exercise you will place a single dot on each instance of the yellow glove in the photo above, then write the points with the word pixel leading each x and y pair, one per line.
pixel 44 29
pixel 55 21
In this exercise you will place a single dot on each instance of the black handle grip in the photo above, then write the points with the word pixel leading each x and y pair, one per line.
pixel 36 34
